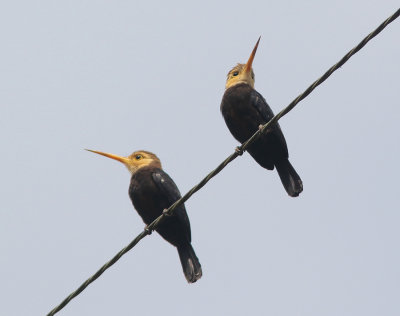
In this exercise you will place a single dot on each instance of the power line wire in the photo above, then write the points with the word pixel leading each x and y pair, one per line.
pixel 238 152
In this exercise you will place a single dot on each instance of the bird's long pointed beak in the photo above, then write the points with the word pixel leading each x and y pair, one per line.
pixel 251 58
pixel 124 160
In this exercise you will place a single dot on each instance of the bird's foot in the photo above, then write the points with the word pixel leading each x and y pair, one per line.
pixel 239 150
pixel 166 212
pixel 268 130
pixel 147 230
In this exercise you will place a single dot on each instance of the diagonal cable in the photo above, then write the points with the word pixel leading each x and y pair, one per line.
pixel 239 151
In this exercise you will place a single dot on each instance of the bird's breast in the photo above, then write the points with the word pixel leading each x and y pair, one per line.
pixel 239 114
pixel 145 196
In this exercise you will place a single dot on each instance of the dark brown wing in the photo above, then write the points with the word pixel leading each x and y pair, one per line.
pixel 171 193
pixel 265 112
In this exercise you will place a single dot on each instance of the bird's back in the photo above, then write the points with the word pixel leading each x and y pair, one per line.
pixel 244 110
pixel 151 191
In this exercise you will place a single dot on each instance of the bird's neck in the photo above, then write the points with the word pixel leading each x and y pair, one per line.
pixel 242 81
pixel 239 83
pixel 151 165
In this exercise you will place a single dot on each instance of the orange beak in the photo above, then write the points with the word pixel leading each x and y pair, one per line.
pixel 249 63
pixel 124 160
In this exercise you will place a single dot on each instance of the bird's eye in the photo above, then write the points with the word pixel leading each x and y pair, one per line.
pixel 235 73
pixel 138 157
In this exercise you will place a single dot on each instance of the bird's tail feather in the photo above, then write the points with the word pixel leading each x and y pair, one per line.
pixel 289 177
pixel 190 264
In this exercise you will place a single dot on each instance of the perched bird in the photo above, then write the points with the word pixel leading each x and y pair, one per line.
pixel 244 110
pixel 152 190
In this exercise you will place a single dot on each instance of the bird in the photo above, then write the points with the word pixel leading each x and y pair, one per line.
pixel 244 110
pixel 151 191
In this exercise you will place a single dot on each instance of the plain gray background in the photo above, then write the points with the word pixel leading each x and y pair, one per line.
pixel 118 76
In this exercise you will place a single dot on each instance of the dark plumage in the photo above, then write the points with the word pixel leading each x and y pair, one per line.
pixel 151 191
pixel 244 110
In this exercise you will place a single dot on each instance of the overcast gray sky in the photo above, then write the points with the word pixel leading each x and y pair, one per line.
pixel 119 76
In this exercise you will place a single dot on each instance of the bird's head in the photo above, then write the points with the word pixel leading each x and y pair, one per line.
pixel 134 161
pixel 242 73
